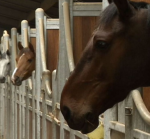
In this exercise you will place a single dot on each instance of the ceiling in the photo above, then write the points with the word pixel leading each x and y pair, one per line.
pixel 12 12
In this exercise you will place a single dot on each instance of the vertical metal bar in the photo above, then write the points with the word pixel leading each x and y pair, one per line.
pixel 54 83
pixel 23 110
pixel 5 101
pixel 62 53
pixel 6 46
pixel 44 135
pixel 71 18
pixel 44 106
pixel 14 48
pixel 68 26
pixel 45 34
pixel 20 113
pixel 128 117
pixel 6 38
pixel 15 113
pixel 68 38
pixel 42 43
pixel 61 62
pixel 1 112
pixel 33 106
pixel 39 14
pixel 27 113
pixel 7 108
pixel 25 39
pixel 13 65
pixel 104 4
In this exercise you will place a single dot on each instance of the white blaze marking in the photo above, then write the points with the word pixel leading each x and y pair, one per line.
pixel 21 56
pixel 13 75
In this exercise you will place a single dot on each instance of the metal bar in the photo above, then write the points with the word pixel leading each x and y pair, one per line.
pixel 33 106
pixel 87 9
pixel 27 114
pixel 117 126
pixel 42 43
pixel 14 48
pixel 52 24
pixel 1 111
pixel 6 42
pixel 12 95
pixel 24 32
pixel 44 135
pixel 23 109
pixel 68 36
pixel 29 82
pixel 128 117
pixel 91 6
pixel 143 111
pixel 38 72
pixel 20 114
pixel 54 86
pixel 104 4
pixel 45 72
pixel 15 112
pixel 139 134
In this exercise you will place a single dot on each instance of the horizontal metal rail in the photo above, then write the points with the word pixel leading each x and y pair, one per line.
pixel 143 111
pixel 67 29
pixel 87 9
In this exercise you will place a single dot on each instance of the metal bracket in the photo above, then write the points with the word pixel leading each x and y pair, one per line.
pixel 128 111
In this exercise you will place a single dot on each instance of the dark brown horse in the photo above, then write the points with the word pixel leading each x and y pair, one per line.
pixel 115 61
pixel 25 64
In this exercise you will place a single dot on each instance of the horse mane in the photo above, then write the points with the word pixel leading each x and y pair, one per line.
pixel 111 11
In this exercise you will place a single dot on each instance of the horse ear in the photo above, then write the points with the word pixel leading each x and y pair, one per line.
pixel 31 47
pixel 8 52
pixel 20 47
pixel 124 8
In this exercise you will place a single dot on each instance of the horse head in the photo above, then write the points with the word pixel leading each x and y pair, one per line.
pixel 25 64
pixel 114 62
pixel 5 57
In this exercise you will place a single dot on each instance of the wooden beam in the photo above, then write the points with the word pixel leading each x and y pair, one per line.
pixel 8 21
pixel 45 5
pixel 25 3
pixel 12 13
pixel 14 6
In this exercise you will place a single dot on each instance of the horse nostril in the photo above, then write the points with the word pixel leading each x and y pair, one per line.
pixel 66 112
pixel 2 78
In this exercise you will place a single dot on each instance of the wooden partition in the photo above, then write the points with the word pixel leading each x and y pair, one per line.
pixel 83 29
pixel 146 97
pixel 33 42
pixel 52 48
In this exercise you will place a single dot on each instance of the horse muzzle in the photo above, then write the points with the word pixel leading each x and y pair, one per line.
pixel 16 81
pixel 85 123
pixel 2 79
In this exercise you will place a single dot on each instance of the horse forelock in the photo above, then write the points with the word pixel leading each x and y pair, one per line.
pixel 111 12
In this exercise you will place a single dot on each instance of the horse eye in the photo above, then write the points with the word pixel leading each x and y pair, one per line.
pixel 101 44
pixel 30 60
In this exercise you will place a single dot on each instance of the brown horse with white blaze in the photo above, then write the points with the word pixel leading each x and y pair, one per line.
pixel 25 64
pixel 115 61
